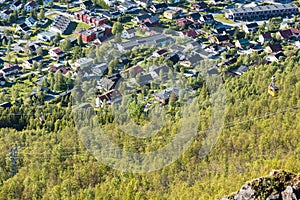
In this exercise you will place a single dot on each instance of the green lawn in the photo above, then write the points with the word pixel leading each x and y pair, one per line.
pixel 221 18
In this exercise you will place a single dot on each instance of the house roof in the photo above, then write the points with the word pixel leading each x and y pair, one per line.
pixel 57 51
pixel 240 70
pixel 222 38
pixel 161 51
pixel 195 16
pixel 136 70
pixel 11 68
pixel 279 54
pixel 267 35
pixel 36 58
pixel 190 33
pixel 111 95
pixel 286 33
pixel 31 4
pixel 252 25
pixel 160 5
pixel 153 19
pixel 195 59
pixel 275 47
pixel 165 69
pixel 145 79
pixel 208 17
pixel 295 31
pixel 130 31
pixel 166 93
pixel 263 8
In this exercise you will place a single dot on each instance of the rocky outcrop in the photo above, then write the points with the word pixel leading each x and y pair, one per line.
pixel 279 185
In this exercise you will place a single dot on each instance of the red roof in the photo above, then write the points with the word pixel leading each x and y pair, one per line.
pixel 295 31
pixel 136 70
pixel 32 4
pixel 190 33
pixel 57 51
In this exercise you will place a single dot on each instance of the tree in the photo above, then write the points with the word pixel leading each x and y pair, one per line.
pixel 41 14
pixel 40 51
pixel 67 45
pixel 117 28
pixel 79 41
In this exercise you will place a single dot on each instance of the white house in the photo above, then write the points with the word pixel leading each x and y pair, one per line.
pixel 30 21
pixel 84 62
pixel 5 14
pixel 46 36
pixel 16 5
pixel 56 53
pixel 129 33
pixel 31 6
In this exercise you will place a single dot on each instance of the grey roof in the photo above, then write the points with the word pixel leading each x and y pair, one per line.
pixel 150 40
pixel 165 94
pixel 263 8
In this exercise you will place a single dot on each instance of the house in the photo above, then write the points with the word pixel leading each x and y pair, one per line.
pixel 5 14
pixel 158 8
pixel 11 70
pixel 295 32
pixel 219 31
pixel 144 80
pixel 194 17
pixel 31 5
pixel 163 96
pixel 23 29
pixel 240 70
pixel 171 14
pixel 28 64
pixel 273 48
pixel 157 40
pixel 265 37
pixel 220 39
pixel 73 40
pixel 90 18
pixel 152 21
pixel 92 34
pixel 109 97
pixel 189 33
pixel 127 7
pixel 128 33
pixel 249 28
pixel 83 62
pixel 144 3
pixel 199 6
pixel 160 52
pixel 276 57
pixel 86 5
pixel 192 60
pixel 111 15
pixel 285 34
pixel 131 72
pixel 87 35
pixel 100 69
pixel 60 24
pixel 183 22
pixel 56 53
pixel 16 5
pixel 207 19
pixel 62 69
pixel 109 82
pixel 242 44
pixel 160 72
pixel 173 57
pixel 30 21
pixel 268 11
pixel 6 105
pixel 46 36
pixel 141 18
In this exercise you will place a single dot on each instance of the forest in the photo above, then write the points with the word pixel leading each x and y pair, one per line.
pixel 260 133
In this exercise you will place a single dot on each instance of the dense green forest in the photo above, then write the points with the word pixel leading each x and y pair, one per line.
pixel 260 133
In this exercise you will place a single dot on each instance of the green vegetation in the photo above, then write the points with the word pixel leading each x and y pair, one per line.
pixel 53 163
pixel 222 18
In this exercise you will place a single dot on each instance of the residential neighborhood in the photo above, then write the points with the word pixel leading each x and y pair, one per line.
pixel 45 42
